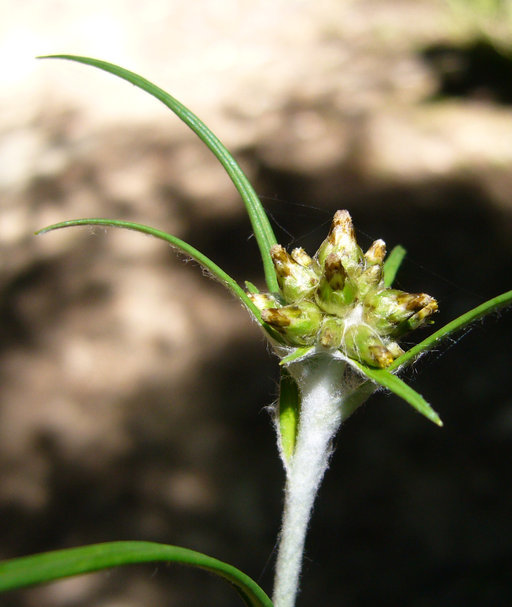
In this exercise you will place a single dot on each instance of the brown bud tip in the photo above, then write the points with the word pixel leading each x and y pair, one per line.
pixel 395 349
pixel 275 317
pixel 417 301
pixel 262 300
pixel 342 218
pixel 381 356
pixel 429 309
pixel 370 277
pixel 376 252
pixel 334 272
pixel 277 251
pixel 329 339
pixel 301 257
pixel 281 259
pixel 341 226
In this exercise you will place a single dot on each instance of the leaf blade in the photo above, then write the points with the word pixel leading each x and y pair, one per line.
pixel 392 264
pixel 393 383
pixel 261 226
pixel 183 246
pixel 289 412
pixel 49 566
pixel 296 354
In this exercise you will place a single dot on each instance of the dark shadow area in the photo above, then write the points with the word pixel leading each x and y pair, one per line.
pixel 28 302
pixel 408 514
pixel 477 70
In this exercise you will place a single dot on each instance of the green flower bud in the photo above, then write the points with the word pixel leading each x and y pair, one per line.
pixel 298 323
pixel 302 258
pixel 376 253
pixel 334 272
pixel 420 318
pixel 394 348
pixel 363 343
pixel 395 312
pixel 335 290
pixel 331 332
pixel 341 240
pixel 297 281
pixel 263 301
pixel 371 276
pixel 369 279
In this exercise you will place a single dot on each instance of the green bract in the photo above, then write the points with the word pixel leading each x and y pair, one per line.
pixel 338 301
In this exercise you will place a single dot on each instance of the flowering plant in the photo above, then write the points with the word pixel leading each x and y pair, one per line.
pixel 334 321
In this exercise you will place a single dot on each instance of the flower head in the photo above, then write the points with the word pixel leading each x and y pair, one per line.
pixel 338 300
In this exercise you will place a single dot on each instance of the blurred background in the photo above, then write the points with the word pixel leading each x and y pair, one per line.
pixel 133 390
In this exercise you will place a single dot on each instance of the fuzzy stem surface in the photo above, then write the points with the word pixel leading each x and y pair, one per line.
pixel 321 384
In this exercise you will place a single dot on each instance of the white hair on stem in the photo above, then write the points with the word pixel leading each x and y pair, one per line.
pixel 324 389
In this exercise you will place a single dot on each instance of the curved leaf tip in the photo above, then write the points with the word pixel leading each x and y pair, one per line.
pixel 260 224
pixel 175 242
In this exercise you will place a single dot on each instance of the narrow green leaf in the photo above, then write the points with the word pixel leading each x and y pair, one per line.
pixel 401 389
pixel 295 355
pixel 260 224
pixel 492 305
pixel 251 287
pixel 289 411
pixel 392 264
pixel 49 566
pixel 189 250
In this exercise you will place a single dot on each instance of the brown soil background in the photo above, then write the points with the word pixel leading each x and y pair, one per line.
pixel 133 389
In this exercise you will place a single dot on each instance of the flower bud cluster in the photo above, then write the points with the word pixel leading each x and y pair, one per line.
pixel 337 300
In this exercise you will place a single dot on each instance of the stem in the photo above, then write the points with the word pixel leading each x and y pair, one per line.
pixel 322 388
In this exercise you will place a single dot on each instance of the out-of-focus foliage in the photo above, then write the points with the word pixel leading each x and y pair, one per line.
pixel 487 19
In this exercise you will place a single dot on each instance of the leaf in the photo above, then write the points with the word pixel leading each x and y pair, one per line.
pixel 296 354
pixel 392 264
pixel 184 247
pixel 492 305
pixel 401 389
pixel 252 288
pixel 289 412
pixel 49 566
pixel 260 224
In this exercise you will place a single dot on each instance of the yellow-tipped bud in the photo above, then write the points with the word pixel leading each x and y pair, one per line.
pixel 301 257
pixel 297 281
pixel 363 343
pixel 342 240
pixel 298 323
pixel 263 301
pixel 331 332
pixel 376 253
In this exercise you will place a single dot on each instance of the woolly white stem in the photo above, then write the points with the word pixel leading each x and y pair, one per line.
pixel 321 386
